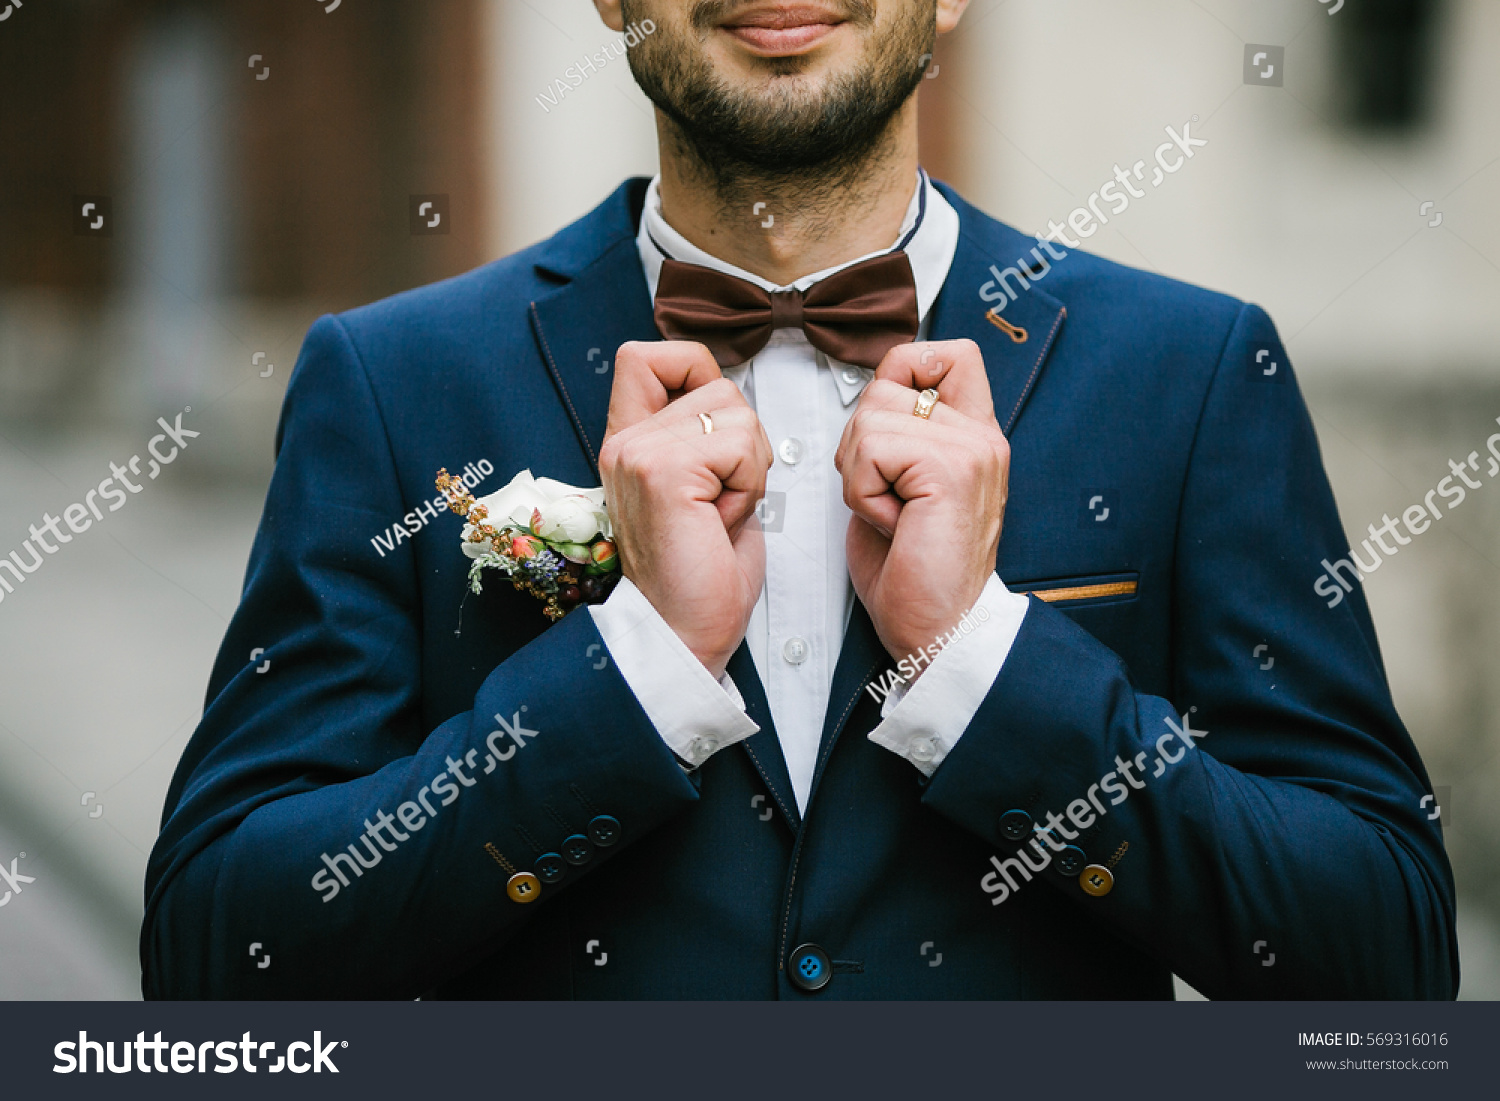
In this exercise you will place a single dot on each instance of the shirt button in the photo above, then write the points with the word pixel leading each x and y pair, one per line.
pixel 791 451
pixel 703 747
pixel 795 650
pixel 852 376
pixel 924 749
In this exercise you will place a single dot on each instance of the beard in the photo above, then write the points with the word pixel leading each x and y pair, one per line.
pixel 791 133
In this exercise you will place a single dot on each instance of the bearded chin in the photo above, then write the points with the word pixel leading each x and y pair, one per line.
pixel 789 128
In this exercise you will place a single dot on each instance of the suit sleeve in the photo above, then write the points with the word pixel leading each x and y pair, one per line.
pixel 313 815
pixel 1268 816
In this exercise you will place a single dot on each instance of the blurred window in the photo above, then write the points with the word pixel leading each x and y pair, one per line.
pixel 1386 64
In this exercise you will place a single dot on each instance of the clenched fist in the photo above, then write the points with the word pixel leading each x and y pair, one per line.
pixel 680 498
pixel 928 496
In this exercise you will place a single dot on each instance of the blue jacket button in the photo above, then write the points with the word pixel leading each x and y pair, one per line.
pixel 577 849
pixel 1015 825
pixel 550 868
pixel 604 830
pixel 1070 861
pixel 809 968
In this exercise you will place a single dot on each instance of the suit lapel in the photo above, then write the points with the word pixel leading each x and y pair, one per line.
pixel 1016 338
pixel 764 746
pixel 861 659
pixel 1015 347
pixel 581 325
pixel 604 303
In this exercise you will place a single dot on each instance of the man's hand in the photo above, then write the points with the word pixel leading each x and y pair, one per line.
pixel 928 496
pixel 680 499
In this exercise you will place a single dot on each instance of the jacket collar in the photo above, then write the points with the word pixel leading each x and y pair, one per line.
pixel 602 303
pixel 1015 331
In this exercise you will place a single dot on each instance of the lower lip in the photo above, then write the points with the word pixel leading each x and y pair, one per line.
pixel 791 40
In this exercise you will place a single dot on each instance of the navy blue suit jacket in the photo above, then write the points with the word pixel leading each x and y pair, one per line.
pixel 1296 822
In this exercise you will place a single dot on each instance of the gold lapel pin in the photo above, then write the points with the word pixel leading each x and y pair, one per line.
pixel 1015 332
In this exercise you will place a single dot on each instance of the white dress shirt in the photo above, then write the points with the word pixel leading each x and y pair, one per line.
pixel 803 400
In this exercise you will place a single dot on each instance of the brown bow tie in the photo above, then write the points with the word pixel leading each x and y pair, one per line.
pixel 856 315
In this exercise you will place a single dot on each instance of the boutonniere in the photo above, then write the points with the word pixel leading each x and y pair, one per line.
pixel 552 540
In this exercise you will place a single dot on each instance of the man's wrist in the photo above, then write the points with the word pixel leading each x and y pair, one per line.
pixel 695 711
pixel 712 658
pixel 918 648
pixel 911 663
pixel 717 664
pixel 923 723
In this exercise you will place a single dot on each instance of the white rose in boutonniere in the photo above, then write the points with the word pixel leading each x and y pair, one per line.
pixel 551 539
pixel 573 518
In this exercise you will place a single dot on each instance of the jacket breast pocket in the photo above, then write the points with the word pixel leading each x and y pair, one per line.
pixel 1086 591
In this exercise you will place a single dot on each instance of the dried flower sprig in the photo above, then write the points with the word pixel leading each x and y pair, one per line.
pixel 560 574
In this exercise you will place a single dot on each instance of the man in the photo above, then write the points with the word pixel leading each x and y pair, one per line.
pixel 827 752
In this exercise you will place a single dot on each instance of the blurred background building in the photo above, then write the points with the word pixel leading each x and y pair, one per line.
pixel 255 163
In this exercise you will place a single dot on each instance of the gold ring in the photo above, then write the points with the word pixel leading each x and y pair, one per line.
pixel 708 423
pixel 927 401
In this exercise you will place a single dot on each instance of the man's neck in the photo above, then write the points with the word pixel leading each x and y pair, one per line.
pixel 816 221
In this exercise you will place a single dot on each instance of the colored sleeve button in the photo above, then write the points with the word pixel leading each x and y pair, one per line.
pixel 523 887
pixel 1097 880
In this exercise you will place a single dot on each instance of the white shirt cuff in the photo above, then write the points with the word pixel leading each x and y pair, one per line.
pixel 923 721
pixel 694 714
